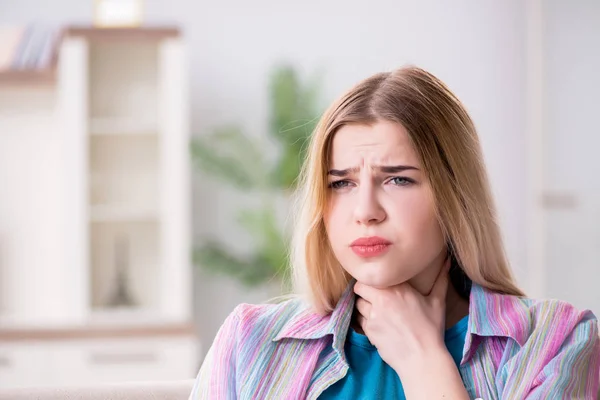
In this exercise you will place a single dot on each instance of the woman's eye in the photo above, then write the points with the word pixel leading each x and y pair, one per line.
pixel 339 184
pixel 401 181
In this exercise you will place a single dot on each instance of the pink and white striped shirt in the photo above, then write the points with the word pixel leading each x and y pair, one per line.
pixel 515 348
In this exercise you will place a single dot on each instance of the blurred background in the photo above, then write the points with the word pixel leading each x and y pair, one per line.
pixel 148 151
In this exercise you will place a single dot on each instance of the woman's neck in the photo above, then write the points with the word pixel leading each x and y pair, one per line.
pixel 456 309
pixel 456 306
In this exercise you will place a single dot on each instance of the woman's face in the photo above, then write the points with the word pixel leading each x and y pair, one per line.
pixel 380 219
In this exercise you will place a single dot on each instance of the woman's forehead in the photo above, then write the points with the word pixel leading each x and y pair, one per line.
pixel 382 143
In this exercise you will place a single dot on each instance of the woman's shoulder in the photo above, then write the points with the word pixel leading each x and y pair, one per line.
pixel 551 313
pixel 275 309
pixel 529 320
pixel 555 347
pixel 265 321
pixel 559 321
pixel 543 309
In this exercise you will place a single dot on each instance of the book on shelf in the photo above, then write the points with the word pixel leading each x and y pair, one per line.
pixel 28 47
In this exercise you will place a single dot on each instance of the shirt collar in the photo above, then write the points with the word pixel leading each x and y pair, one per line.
pixel 490 314
pixel 307 324
pixel 497 314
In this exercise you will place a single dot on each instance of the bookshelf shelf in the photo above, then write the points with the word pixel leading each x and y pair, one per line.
pixel 118 126
pixel 28 77
pixel 116 213
pixel 147 33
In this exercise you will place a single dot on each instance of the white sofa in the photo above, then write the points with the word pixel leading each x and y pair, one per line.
pixel 170 390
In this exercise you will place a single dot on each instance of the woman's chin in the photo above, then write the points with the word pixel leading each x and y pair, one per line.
pixel 379 280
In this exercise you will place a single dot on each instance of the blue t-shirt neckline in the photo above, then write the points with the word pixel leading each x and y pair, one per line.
pixel 369 377
pixel 451 333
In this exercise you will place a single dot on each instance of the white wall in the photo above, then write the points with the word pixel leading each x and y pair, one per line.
pixel 572 140
pixel 477 47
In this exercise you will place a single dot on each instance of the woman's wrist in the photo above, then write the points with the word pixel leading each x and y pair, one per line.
pixel 432 375
pixel 422 361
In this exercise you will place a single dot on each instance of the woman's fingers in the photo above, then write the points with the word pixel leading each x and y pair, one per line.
pixel 363 307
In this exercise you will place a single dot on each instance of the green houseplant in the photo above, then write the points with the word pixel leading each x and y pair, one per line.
pixel 239 160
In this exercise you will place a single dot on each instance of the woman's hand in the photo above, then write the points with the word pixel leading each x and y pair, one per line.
pixel 408 330
pixel 403 324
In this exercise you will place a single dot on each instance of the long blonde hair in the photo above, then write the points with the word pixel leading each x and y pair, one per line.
pixel 446 141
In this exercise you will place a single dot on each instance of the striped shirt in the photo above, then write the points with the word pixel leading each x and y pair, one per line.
pixel 515 348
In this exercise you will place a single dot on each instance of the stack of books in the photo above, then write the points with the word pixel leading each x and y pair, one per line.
pixel 28 48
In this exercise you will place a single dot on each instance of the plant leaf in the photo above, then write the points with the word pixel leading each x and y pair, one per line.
pixel 231 155
pixel 215 259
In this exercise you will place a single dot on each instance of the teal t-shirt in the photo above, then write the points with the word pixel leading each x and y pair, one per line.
pixel 369 377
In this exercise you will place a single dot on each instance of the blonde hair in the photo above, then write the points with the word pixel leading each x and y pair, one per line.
pixel 446 141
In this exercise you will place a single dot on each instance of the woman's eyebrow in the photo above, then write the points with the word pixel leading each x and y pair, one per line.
pixel 388 169
pixel 394 169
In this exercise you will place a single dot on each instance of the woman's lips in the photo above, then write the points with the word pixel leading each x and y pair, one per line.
pixel 370 246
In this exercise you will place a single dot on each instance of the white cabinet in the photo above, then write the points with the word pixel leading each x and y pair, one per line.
pixel 84 361
pixel 120 360
pixel 95 210
pixel 21 364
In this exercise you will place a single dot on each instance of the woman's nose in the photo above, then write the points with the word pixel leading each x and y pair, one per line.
pixel 368 209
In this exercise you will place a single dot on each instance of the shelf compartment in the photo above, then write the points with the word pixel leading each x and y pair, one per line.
pixel 125 268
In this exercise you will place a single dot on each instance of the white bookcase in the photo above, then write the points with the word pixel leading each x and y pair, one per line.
pixel 95 212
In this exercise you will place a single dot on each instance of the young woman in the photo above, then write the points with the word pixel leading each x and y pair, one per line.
pixel 409 293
